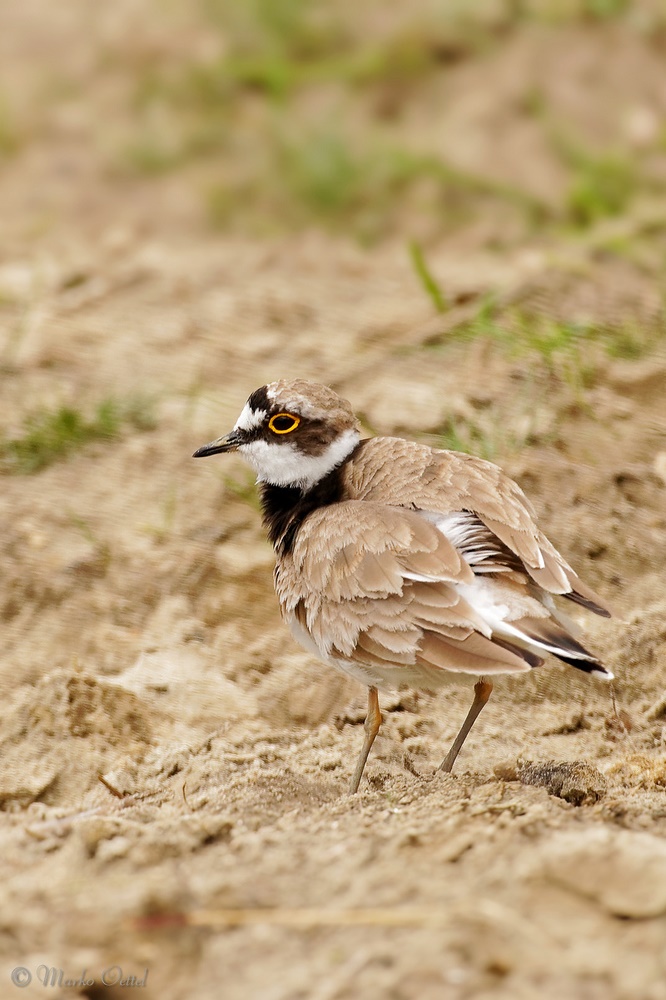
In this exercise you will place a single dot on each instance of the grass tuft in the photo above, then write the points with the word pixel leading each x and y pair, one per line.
pixel 573 352
pixel 49 436
pixel 361 187
pixel 602 187
pixel 601 10
pixel 460 434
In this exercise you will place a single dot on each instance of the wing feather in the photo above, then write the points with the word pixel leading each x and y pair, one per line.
pixel 473 654
pixel 376 585
pixel 441 483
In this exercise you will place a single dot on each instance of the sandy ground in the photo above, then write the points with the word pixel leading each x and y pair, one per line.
pixel 174 769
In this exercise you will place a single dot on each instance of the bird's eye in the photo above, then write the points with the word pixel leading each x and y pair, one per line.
pixel 282 423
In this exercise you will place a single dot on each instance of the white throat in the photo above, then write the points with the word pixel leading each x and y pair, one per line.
pixel 284 465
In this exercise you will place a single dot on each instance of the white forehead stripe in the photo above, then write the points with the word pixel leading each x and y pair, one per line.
pixel 249 419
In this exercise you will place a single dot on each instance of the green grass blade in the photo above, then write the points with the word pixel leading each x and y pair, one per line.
pixel 426 277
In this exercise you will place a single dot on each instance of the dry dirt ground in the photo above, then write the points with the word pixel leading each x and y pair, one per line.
pixel 174 769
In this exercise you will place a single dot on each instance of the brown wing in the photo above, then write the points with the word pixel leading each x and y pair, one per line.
pixel 374 584
pixel 394 471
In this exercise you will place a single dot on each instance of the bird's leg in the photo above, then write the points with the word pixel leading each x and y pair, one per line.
pixel 373 721
pixel 482 691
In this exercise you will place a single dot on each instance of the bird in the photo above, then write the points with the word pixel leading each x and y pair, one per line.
pixel 398 563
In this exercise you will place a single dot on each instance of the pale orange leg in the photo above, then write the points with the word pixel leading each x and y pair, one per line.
pixel 482 691
pixel 373 721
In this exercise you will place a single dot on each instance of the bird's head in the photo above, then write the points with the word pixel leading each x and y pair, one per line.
pixel 293 433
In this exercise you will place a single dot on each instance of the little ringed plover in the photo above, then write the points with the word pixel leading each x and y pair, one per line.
pixel 398 563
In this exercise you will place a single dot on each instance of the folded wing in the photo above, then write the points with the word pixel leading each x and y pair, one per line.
pixel 381 586
pixel 480 508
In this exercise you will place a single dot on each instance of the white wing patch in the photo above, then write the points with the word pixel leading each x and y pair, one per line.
pixel 483 597
pixel 421 578
pixel 479 547
pixel 475 542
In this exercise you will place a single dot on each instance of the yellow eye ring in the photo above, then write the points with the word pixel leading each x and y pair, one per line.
pixel 277 423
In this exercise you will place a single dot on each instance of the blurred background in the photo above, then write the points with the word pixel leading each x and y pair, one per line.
pixel 177 177
pixel 455 214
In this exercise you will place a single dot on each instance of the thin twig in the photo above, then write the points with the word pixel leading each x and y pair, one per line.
pixel 111 788
pixel 301 919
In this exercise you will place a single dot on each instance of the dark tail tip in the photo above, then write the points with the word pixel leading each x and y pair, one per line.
pixel 588 603
pixel 589 665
